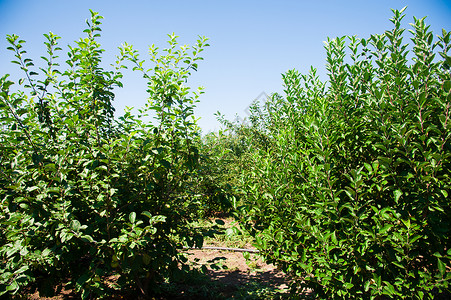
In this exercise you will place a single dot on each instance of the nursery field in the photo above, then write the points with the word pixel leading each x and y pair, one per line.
pixel 341 186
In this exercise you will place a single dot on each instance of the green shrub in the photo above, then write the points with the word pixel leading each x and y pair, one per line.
pixel 85 196
pixel 350 193
pixel 221 161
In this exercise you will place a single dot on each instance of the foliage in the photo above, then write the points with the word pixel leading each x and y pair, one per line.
pixel 226 152
pixel 85 196
pixel 349 192
pixel 219 152
pixel 344 184
pixel 214 191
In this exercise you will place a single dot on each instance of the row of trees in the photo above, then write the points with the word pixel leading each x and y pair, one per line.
pixel 344 184
pixel 84 195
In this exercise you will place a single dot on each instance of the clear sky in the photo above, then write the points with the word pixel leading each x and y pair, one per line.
pixel 252 42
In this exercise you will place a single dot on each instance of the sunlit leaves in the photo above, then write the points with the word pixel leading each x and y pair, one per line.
pixel 85 195
pixel 354 178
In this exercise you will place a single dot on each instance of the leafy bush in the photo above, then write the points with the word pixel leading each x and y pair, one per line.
pixel 221 160
pixel 85 196
pixel 350 192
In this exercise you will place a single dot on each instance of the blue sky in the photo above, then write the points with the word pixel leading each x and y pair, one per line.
pixel 252 42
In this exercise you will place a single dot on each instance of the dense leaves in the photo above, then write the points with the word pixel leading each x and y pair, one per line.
pixel 85 196
pixel 344 184
pixel 347 182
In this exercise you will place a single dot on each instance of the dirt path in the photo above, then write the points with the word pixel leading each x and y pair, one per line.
pixel 233 269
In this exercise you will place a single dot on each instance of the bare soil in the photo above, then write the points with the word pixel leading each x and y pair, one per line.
pixel 232 269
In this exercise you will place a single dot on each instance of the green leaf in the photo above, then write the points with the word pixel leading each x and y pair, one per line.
pixel 87 238
pixel 386 228
pixel 279 236
pixel 132 217
pixel 13 287
pixel 398 194
pixel 415 238
pixel 75 224
pixel 53 190
pixel 219 222
pixel 447 86
pixel 147 214
pixel 389 288
pixel 46 252
pixel 21 270
pixel 441 267
pixel 367 285
pixel 406 223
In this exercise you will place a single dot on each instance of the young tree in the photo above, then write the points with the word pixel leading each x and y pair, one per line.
pixel 85 196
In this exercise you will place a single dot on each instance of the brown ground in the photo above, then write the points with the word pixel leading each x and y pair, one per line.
pixel 235 270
